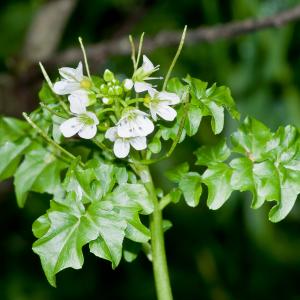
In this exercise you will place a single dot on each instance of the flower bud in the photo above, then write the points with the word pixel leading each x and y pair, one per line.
pixel 108 75
pixel 128 84
pixel 107 101
pixel 103 88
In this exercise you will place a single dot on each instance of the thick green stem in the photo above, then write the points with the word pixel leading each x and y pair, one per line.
pixel 159 260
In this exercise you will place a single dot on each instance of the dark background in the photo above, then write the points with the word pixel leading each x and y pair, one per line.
pixel 232 253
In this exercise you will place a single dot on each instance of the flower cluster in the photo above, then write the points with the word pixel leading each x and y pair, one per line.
pixel 116 103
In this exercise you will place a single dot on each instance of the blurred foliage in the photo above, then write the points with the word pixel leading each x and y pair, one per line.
pixel 237 253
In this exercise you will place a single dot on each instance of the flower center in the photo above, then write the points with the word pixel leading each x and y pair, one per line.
pixel 86 120
pixel 86 84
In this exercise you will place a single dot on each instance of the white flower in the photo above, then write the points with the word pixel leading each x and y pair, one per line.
pixel 159 104
pixel 72 81
pixel 84 123
pixel 122 145
pixel 134 123
pixel 142 74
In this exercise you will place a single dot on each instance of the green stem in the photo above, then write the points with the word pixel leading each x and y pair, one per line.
pixel 159 260
pixel 175 58
pixel 50 141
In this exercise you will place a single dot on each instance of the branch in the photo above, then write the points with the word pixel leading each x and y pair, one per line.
pixel 46 29
pixel 99 52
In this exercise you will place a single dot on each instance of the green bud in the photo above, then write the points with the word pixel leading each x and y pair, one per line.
pixel 107 101
pixel 111 91
pixel 108 75
pixel 103 88
pixel 118 90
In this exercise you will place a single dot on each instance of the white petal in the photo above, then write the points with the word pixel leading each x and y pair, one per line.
pixel 152 92
pixel 142 86
pixel 82 95
pixel 139 143
pixel 145 125
pixel 88 131
pixel 166 112
pixel 77 106
pixel 79 72
pixel 93 116
pixel 64 87
pixel 170 98
pixel 121 148
pixel 147 64
pixel 153 110
pixel 72 74
pixel 112 134
pixel 70 127
pixel 128 84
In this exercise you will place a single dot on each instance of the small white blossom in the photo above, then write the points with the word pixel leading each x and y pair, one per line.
pixel 122 145
pixel 134 123
pixel 159 104
pixel 128 84
pixel 72 81
pixel 142 74
pixel 84 123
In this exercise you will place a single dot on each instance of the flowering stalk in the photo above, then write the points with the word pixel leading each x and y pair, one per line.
pixel 159 260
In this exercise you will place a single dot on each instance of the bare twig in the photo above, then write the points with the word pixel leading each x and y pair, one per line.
pixel 46 29
pixel 100 51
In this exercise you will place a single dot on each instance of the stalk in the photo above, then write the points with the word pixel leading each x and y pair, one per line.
pixel 159 260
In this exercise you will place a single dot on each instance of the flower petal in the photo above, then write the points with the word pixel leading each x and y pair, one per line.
pixel 141 86
pixel 166 112
pixel 70 127
pixel 144 125
pixel 77 105
pixel 79 72
pixel 147 66
pixel 64 87
pixel 170 98
pixel 139 143
pixel 72 74
pixel 88 131
pixel 112 134
pixel 121 148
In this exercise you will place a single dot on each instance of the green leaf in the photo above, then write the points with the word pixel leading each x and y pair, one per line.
pixel 155 144
pixel 129 200
pixel 12 129
pixel 46 95
pixel 132 196
pixel 11 154
pixel 190 184
pixel 290 189
pixel 207 155
pixel 217 112
pixel 252 139
pixel 260 178
pixel 131 250
pixel 39 172
pixel 211 102
pixel 72 227
pixel 41 226
pixel 193 120
pixel 217 178
pixel 178 172
pixel 111 230
pixel 222 96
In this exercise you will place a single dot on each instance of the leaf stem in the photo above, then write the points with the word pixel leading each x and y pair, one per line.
pixel 49 140
pixel 159 260
pixel 175 58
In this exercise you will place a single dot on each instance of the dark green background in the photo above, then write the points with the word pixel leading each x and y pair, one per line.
pixel 233 253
